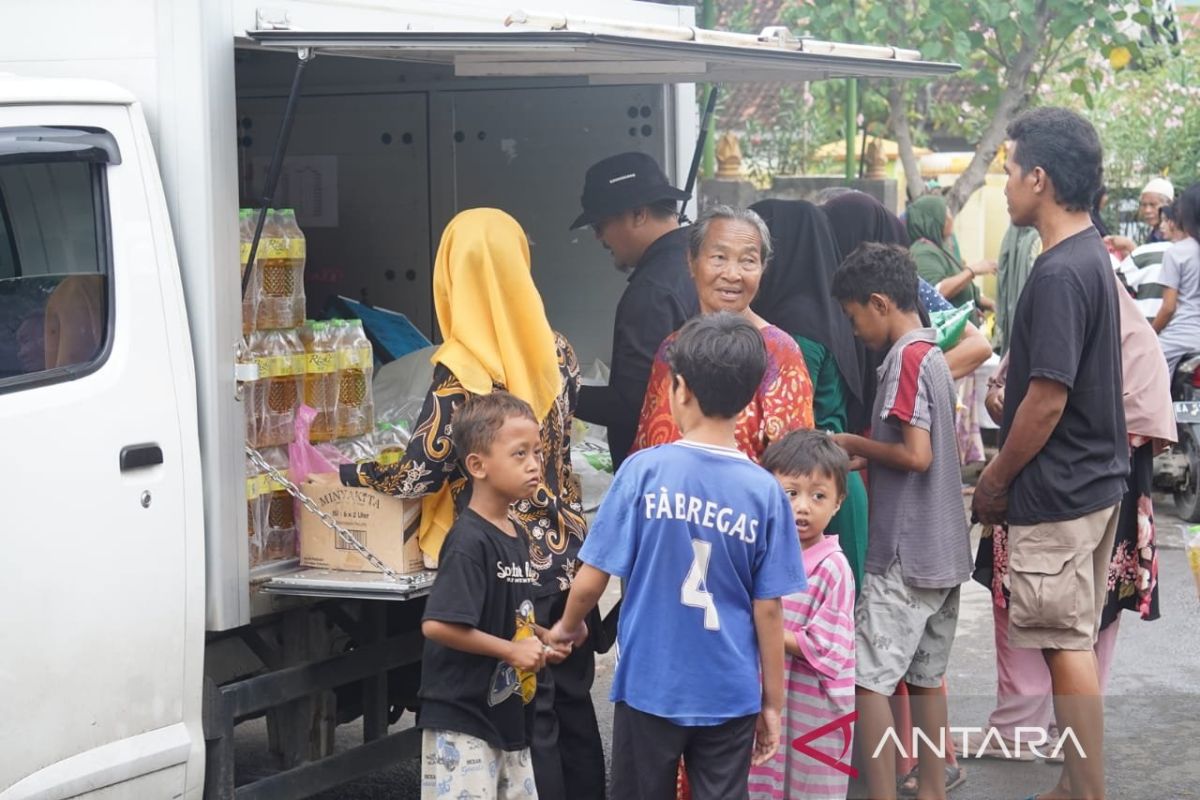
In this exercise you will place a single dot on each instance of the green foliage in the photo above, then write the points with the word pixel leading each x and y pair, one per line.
pixel 1148 119
pixel 1066 40
pixel 786 145
pixel 985 37
pixel 1139 94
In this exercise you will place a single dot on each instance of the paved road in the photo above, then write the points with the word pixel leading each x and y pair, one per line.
pixel 1153 703
pixel 1153 708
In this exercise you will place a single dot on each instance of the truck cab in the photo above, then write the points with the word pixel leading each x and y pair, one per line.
pixel 98 409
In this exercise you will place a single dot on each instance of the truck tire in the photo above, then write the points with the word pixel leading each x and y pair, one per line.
pixel 1187 496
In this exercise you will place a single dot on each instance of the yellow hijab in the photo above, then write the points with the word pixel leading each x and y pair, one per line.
pixel 494 328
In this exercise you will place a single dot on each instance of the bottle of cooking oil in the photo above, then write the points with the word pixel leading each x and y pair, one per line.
pixel 256 391
pixel 279 535
pixel 276 307
pixel 255 519
pixel 356 365
pixel 391 440
pixel 280 356
pixel 297 255
pixel 250 391
pixel 249 297
pixel 320 377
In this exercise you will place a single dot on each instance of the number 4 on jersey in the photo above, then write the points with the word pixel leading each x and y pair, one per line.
pixel 694 591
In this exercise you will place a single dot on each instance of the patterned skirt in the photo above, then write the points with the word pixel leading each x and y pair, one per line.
pixel 1133 571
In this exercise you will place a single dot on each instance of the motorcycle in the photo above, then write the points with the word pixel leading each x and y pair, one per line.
pixel 1177 469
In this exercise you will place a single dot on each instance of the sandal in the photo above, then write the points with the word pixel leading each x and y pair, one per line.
pixel 909 785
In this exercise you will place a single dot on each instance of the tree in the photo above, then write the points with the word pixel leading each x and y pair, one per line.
pixel 1148 119
pixel 1008 49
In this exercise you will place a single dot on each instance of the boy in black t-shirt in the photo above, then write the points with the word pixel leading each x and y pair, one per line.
pixel 483 648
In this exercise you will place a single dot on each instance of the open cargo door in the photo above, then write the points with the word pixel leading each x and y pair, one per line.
pixel 599 52
pixel 611 52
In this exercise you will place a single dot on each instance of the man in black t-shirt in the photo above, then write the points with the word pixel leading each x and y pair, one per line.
pixel 483 647
pixel 1060 474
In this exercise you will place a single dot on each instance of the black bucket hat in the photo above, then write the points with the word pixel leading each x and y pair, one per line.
pixel 621 182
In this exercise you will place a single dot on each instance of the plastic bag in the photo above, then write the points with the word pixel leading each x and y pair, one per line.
pixel 597 376
pixel 305 459
pixel 591 462
pixel 401 387
pixel 951 324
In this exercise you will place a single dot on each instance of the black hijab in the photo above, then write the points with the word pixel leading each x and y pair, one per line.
pixel 795 290
pixel 856 217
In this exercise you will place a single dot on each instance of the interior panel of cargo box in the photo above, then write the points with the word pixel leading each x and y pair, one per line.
pixel 383 154
pixel 356 172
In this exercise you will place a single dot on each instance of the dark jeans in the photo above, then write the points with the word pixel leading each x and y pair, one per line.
pixel 568 757
pixel 646 751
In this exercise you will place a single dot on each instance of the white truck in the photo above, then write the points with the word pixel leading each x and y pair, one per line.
pixel 134 635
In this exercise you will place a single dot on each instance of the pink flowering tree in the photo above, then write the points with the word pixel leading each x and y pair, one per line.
pixel 1010 52
pixel 1148 118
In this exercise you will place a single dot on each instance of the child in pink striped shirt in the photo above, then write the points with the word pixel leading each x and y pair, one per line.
pixel 818 630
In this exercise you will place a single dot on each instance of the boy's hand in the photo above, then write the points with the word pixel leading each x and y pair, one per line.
pixel 849 442
pixel 846 442
pixel 527 654
pixel 555 653
pixel 766 736
pixel 559 635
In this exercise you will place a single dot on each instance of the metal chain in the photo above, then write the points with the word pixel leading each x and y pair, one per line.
pixel 343 534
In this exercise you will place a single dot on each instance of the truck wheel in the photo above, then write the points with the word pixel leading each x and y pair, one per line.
pixel 1187 496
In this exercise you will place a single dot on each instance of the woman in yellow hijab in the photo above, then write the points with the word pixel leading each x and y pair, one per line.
pixel 496 336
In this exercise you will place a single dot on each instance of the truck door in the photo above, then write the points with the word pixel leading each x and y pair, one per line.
pixel 102 615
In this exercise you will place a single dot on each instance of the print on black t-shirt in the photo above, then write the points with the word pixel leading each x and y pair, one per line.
pixel 507 680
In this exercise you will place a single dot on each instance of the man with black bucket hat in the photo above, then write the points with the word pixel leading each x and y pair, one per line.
pixel 633 209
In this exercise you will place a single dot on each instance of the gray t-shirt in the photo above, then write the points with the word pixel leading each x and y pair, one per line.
pixel 918 518
pixel 1181 271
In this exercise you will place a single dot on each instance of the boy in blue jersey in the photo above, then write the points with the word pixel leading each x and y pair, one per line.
pixel 706 544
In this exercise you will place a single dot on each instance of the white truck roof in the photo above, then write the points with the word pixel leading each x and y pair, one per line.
pixel 20 90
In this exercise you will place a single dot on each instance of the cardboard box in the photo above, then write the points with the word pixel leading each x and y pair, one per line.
pixel 385 525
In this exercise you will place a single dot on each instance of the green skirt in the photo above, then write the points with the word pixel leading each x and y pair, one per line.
pixel 850 526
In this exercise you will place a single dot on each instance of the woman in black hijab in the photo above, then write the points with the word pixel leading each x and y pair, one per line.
pixel 795 295
pixel 855 218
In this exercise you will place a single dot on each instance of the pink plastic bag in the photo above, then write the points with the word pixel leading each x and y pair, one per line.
pixel 305 459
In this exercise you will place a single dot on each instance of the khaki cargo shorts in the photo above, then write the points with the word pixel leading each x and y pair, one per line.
pixel 1058 579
